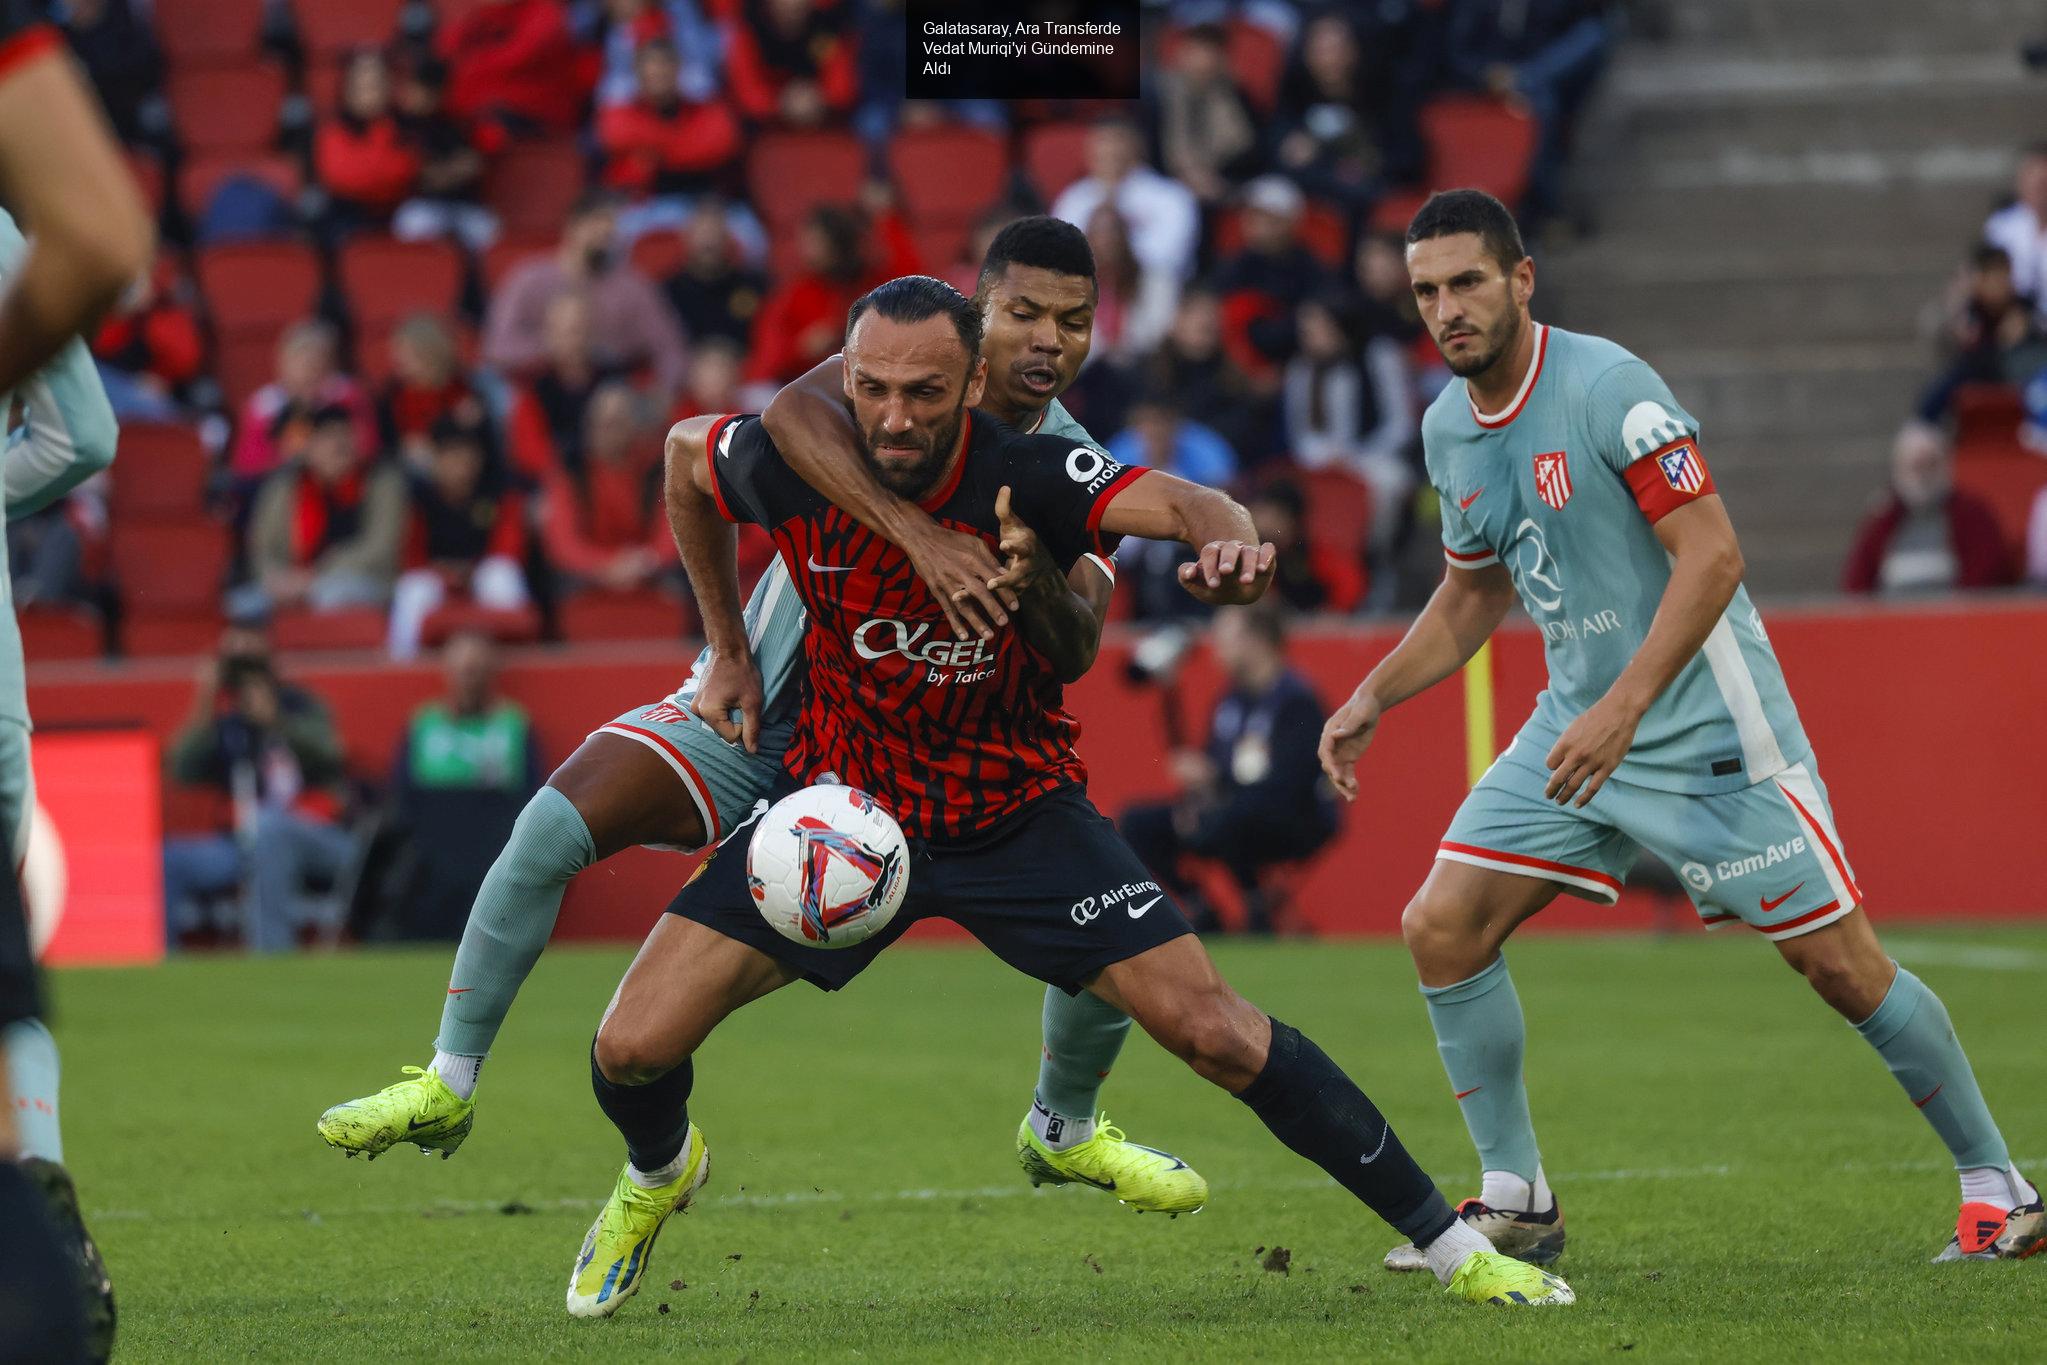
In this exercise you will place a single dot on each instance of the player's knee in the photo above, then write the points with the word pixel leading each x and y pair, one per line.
pixel 550 840
pixel 1426 928
pixel 1852 986
pixel 630 1054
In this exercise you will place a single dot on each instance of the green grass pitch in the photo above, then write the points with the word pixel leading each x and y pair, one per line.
pixel 1742 1179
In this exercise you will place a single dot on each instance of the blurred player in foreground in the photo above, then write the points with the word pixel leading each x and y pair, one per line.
pixel 60 169
pixel 660 775
pixel 966 743
pixel 1569 473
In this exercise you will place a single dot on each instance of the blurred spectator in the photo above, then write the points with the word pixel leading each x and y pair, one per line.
pixel 1207 137
pixel 1991 334
pixel 714 376
pixel 514 64
pixel 1271 276
pixel 1307 576
pixel 271 748
pixel 548 414
pixel 803 320
pixel 427 386
pixel 362 154
pixel 1254 797
pixel 1346 116
pixel 1204 383
pixel 1162 215
pixel 1133 306
pixel 1160 437
pixel 325 530
pixel 964 273
pixel 467 536
pixel 631 325
pixel 2021 226
pixel 275 420
pixel 716 293
pixel 466 764
pixel 1926 535
pixel 118 49
pixel 604 525
pixel 1545 54
pixel 791 62
pixel 629 23
pixel 151 349
pixel 1349 405
pixel 448 201
pixel 664 151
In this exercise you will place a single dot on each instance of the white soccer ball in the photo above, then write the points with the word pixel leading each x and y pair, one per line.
pixel 827 866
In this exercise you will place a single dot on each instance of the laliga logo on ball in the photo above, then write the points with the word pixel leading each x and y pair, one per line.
pixel 827 867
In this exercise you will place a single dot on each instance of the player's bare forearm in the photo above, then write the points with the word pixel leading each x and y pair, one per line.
pixel 810 425
pixel 1461 615
pixel 1706 568
pixel 1233 567
pixel 705 540
pixel 1062 618
pixel 62 173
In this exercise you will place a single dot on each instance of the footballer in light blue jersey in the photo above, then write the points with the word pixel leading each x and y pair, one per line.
pixel 1571 478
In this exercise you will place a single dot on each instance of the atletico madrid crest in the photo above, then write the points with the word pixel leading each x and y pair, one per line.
pixel 1553 479
pixel 1682 468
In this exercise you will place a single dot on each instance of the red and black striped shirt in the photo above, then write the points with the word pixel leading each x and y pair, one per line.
pixel 951 736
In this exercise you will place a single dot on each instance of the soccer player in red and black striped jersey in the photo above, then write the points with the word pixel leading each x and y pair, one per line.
pixel 963 738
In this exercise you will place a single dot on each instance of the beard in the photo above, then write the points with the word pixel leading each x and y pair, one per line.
pixel 1493 345
pixel 914 478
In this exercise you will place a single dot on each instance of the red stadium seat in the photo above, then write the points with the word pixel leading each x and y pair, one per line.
pixel 253 286
pixel 521 627
pixel 59 633
pixel 1324 231
pixel 385 280
pixel 170 567
pixel 506 255
pixel 351 628
pixel 202 175
pixel 197 31
pixel 1473 140
pixel 533 184
pixel 1054 156
pixel 226 108
pixel 2007 478
pixel 160 474
pixel 942 247
pixel 789 174
pixel 1987 415
pixel 330 27
pixel 1339 510
pixel 245 363
pixel 948 176
pixel 1257 60
pixel 598 614
pixel 660 253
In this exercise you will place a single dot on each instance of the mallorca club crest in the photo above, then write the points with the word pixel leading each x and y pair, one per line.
pixel 1553 478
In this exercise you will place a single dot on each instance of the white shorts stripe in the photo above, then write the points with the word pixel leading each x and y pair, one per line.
pixel 1796 781
pixel 705 811
pixel 1599 891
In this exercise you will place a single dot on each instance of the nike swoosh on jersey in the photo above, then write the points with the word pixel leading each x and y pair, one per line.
pixel 1769 905
pixel 1137 911
pixel 1464 504
pixel 816 567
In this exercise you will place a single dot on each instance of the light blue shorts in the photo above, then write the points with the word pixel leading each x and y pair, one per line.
pixel 724 780
pixel 1767 856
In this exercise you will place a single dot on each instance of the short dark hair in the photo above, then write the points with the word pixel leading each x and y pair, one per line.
pixel 330 415
pixel 1450 212
pixel 1039 242
pixel 913 298
pixel 1989 257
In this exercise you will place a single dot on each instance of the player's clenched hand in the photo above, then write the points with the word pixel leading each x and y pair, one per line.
pixel 1344 737
pixel 1024 556
pixel 1591 748
pixel 732 683
pixel 956 567
pixel 1229 572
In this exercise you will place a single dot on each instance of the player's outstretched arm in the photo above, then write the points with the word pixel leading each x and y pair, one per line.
pixel 60 170
pixel 1705 569
pixel 1463 612
pixel 1233 566
pixel 710 556
pixel 810 425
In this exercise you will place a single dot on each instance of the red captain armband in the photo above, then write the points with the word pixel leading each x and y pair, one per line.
pixel 1666 479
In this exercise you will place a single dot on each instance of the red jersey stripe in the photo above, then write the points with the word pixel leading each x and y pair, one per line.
pixel 27 45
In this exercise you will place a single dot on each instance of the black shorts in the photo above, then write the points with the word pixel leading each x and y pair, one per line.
pixel 1053 891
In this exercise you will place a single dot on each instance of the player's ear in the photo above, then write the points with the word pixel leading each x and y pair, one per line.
pixel 1524 280
pixel 977 381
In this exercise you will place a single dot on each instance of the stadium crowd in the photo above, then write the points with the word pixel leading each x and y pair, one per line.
pixel 437 276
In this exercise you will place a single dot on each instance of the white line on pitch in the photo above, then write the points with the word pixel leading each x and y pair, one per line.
pixel 1987 958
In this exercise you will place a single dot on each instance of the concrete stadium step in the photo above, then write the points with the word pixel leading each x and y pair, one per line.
pixel 1686 207
pixel 1904 119
pixel 1850 306
pixel 1803 392
pixel 1853 27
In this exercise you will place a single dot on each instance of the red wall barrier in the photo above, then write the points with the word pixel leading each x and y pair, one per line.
pixel 1930 725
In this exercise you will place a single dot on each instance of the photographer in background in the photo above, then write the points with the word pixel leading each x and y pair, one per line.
pixel 272 749
pixel 1254 797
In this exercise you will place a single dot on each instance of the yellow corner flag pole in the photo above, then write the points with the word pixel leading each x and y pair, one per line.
pixel 1478 714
